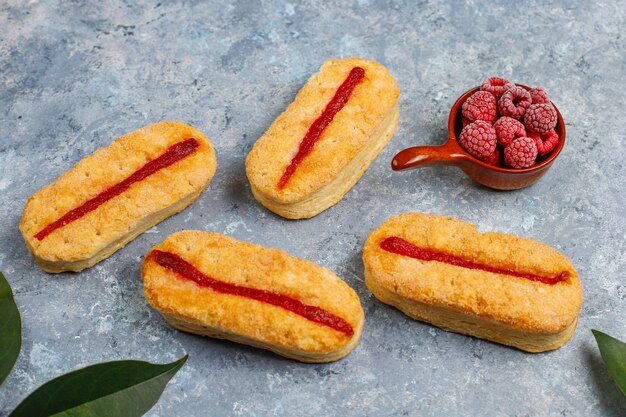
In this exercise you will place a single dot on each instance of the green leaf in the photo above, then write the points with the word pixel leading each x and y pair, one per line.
pixel 613 354
pixel 10 329
pixel 120 388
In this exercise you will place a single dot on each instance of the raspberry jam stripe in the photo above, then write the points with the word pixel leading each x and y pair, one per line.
pixel 172 155
pixel 400 246
pixel 188 271
pixel 334 106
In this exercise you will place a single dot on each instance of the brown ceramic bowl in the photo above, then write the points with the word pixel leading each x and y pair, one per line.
pixel 451 153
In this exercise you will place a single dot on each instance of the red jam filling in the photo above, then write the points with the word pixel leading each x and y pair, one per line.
pixel 172 155
pixel 188 271
pixel 400 246
pixel 342 95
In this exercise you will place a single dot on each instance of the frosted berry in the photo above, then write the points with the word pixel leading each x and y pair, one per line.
pixel 539 95
pixel 521 153
pixel 514 102
pixel 494 158
pixel 481 106
pixel 508 129
pixel 479 139
pixel 545 143
pixel 540 118
pixel 496 86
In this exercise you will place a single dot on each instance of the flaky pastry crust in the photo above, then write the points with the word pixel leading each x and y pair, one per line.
pixel 514 311
pixel 98 234
pixel 344 151
pixel 193 308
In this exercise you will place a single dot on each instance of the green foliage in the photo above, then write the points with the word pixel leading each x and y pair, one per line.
pixel 112 389
pixel 613 354
pixel 10 329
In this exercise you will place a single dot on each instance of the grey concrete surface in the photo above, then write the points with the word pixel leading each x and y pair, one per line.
pixel 74 75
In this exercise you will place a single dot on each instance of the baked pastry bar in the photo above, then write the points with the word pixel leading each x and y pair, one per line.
pixel 112 196
pixel 322 144
pixel 216 286
pixel 494 286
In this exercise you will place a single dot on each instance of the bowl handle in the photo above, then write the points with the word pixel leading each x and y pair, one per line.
pixel 450 153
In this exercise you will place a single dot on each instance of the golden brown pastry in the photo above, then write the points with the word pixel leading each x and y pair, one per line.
pixel 112 196
pixel 494 286
pixel 322 144
pixel 216 286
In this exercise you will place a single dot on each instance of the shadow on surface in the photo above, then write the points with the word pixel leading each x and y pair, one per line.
pixel 611 400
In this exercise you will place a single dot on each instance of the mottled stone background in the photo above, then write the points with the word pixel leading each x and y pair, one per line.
pixel 74 75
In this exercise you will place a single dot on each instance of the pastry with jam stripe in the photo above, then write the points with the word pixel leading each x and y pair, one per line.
pixel 110 197
pixel 213 285
pixel 318 149
pixel 494 286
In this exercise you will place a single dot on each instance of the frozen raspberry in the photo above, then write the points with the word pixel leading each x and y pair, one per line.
pixel 521 153
pixel 514 102
pixel 545 143
pixel 496 86
pixel 508 129
pixel 539 95
pixel 540 118
pixel 494 158
pixel 479 139
pixel 481 106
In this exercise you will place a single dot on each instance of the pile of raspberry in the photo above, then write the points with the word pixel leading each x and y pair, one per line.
pixel 507 126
